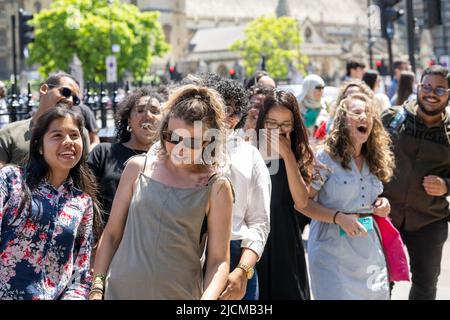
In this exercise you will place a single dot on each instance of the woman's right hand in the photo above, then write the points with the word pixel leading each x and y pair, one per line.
pixel 350 224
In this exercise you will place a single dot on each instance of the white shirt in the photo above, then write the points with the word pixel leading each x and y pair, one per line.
pixel 250 178
pixel 252 187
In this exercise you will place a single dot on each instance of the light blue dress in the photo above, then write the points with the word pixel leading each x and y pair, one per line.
pixel 344 268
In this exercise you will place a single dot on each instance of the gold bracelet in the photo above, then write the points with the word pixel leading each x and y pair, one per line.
pixel 96 290
pixel 100 276
pixel 102 282
pixel 97 285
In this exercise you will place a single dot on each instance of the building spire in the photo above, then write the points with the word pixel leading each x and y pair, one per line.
pixel 283 9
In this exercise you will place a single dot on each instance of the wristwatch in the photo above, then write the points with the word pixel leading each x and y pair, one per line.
pixel 248 270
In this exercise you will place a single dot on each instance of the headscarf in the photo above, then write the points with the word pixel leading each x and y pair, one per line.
pixel 306 96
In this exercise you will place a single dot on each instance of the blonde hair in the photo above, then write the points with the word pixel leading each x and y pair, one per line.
pixel 192 103
pixel 376 150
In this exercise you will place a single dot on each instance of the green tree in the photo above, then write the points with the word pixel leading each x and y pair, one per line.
pixel 278 39
pixel 83 27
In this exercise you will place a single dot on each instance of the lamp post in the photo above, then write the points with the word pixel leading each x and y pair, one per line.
pixel 110 2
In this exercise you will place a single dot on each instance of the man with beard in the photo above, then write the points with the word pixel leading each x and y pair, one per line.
pixel 417 193
pixel 15 137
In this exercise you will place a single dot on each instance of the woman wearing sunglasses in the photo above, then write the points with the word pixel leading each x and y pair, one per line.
pixel 282 267
pixel 165 206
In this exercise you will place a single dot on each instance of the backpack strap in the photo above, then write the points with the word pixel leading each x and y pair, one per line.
pixel 397 120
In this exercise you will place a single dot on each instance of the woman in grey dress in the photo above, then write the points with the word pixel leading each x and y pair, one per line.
pixel 165 206
pixel 345 255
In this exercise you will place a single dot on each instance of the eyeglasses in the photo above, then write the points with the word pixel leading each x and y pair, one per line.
pixel 190 143
pixel 428 88
pixel 320 88
pixel 275 125
pixel 66 92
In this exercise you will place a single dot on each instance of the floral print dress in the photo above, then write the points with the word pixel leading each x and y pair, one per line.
pixel 44 252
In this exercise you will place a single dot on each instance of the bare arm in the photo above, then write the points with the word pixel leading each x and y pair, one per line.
pixel 297 185
pixel 2 164
pixel 348 222
pixel 112 235
pixel 219 233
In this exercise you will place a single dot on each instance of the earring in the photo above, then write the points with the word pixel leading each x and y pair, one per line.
pixel 129 128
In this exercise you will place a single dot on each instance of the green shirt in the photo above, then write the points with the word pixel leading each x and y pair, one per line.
pixel 15 142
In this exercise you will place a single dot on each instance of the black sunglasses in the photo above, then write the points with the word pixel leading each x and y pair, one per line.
pixel 190 143
pixel 66 92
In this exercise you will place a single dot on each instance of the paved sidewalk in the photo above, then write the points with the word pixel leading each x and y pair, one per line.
pixel 401 289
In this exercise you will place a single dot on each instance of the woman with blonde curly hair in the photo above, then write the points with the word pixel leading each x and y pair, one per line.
pixel 345 254
pixel 166 206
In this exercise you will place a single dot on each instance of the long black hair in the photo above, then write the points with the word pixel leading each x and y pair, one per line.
pixel 38 169
pixel 299 136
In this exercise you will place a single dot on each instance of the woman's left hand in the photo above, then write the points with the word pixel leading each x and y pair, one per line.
pixel 382 208
pixel 236 286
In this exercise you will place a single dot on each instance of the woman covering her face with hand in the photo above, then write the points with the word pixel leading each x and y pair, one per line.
pixel 283 140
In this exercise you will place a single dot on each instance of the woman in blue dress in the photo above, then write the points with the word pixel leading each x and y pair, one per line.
pixel 345 255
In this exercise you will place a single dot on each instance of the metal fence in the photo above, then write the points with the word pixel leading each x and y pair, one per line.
pixel 101 98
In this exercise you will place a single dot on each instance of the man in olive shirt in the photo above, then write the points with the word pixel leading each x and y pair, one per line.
pixel 420 131
pixel 15 137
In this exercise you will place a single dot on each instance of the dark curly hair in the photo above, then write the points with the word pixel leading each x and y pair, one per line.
pixel 231 91
pixel 124 110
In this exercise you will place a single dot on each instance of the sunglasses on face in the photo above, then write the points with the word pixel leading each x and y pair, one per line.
pixel 190 143
pixel 66 92
pixel 320 88
pixel 428 88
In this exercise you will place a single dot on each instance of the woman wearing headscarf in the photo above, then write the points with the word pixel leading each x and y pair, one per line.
pixel 310 100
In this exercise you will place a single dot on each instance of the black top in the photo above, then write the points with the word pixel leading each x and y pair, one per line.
pixel 282 272
pixel 107 162
pixel 89 118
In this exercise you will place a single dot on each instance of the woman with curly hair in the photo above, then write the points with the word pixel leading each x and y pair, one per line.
pixel 282 267
pixel 345 254
pixel 137 119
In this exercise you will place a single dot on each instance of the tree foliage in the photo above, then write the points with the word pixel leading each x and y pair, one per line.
pixel 83 27
pixel 278 39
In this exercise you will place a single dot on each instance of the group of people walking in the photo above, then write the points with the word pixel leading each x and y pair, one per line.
pixel 187 205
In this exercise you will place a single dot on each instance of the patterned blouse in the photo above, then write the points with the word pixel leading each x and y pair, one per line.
pixel 44 254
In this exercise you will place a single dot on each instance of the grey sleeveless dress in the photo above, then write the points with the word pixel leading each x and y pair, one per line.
pixel 163 242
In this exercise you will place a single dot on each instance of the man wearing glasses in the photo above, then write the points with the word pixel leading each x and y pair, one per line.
pixel 15 137
pixel 420 132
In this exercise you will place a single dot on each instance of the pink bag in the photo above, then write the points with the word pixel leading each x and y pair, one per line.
pixel 397 263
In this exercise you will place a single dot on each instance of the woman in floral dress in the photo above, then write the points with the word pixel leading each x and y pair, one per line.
pixel 46 214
